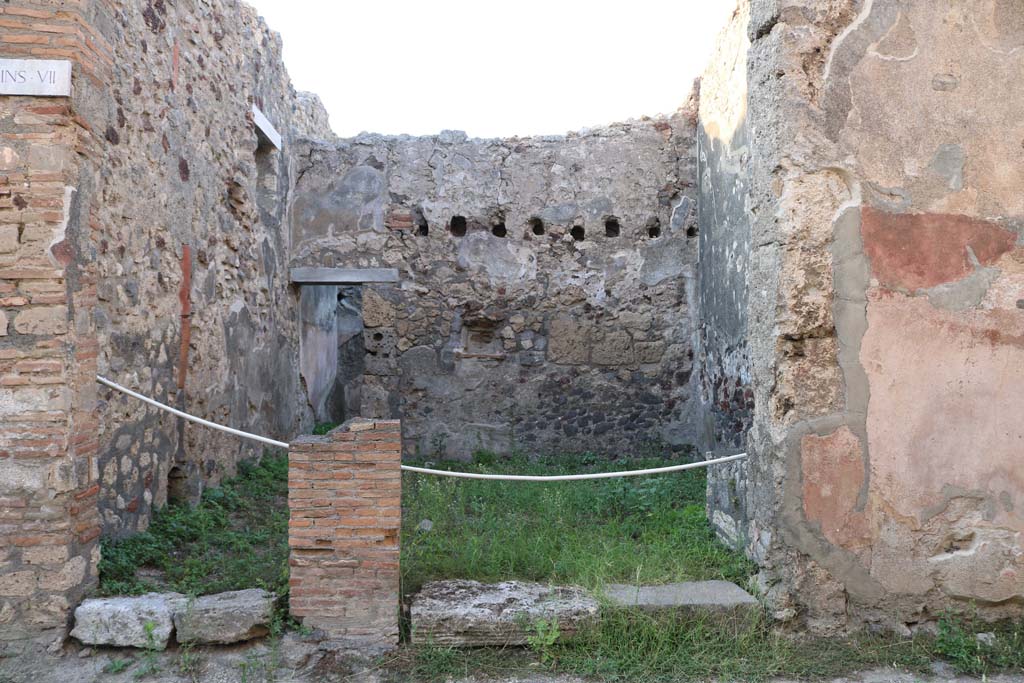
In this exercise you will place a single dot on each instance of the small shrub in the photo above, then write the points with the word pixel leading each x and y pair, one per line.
pixel 541 640
pixel 484 457
pixel 116 666
pixel 323 427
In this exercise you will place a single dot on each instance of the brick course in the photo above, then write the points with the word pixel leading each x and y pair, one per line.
pixel 344 494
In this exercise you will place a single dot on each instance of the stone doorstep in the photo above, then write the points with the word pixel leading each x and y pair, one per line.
pixel 699 596
pixel 464 613
pixel 470 614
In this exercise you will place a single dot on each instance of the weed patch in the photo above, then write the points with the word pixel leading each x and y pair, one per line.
pixel 638 647
pixel 237 537
pixel 979 649
pixel 322 428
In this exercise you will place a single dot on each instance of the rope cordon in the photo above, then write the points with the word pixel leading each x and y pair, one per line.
pixel 423 470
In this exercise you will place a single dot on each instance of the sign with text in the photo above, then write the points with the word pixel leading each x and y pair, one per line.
pixel 40 77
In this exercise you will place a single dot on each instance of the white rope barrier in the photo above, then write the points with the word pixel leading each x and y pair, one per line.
pixel 191 418
pixel 423 470
pixel 575 477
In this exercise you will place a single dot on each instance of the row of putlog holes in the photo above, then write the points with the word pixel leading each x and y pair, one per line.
pixel 612 228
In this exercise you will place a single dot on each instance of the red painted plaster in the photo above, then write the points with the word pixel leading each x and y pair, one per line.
pixel 917 251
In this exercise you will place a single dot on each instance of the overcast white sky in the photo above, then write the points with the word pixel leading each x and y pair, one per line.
pixel 493 67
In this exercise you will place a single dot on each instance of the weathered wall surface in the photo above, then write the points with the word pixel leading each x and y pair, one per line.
pixel 885 287
pixel 98 194
pixel 723 157
pixel 546 283
pixel 184 166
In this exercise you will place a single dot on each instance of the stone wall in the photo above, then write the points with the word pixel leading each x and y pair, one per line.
pixel 99 194
pixel 344 495
pixel 546 284
pixel 723 157
pixel 884 294
pixel 184 166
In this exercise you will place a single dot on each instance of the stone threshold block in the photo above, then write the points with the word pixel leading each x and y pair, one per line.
pixel 225 617
pixel 699 598
pixel 464 613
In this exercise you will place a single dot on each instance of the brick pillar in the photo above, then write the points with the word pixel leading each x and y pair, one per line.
pixel 49 157
pixel 344 494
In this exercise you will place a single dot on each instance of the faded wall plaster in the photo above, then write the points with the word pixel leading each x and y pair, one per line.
pixel 883 310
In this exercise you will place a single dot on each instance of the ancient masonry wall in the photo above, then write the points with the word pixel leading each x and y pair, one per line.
pixel 345 497
pixel 723 157
pixel 861 284
pixel 884 291
pixel 184 166
pixel 98 194
pixel 546 295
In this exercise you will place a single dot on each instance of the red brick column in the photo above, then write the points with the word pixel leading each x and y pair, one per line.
pixel 344 494
pixel 49 151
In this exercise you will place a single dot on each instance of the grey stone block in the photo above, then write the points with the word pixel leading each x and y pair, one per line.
pixel 700 597
pixel 225 617
pixel 122 621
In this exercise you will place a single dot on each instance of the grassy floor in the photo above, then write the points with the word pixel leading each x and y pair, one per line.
pixel 643 648
pixel 649 530
pixel 645 529
pixel 237 537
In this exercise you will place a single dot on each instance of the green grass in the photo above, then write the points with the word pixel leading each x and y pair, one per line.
pixel 957 642
pixel 648 530
pixel 645 529
pixel 237 537
pixel 628 645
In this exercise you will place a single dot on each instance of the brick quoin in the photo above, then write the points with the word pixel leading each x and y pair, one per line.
pixel 49 428
pixel 344 495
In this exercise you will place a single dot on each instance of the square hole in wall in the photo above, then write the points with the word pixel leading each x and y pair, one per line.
pixel 480 339
pixel 457 226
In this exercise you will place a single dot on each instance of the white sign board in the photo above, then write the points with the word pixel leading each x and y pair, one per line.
pixel 264 126
pixel 40 77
